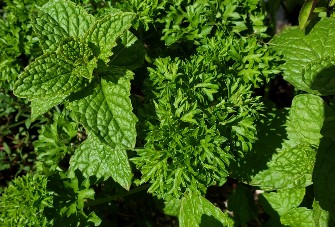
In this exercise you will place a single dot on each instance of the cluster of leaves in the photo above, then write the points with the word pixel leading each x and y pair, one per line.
pixel 199 123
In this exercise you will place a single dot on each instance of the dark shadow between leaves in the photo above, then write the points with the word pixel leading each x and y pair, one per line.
pixel 311 25
pixel 271 133
pixel 324 81
pixel 209 221
pixel 324 168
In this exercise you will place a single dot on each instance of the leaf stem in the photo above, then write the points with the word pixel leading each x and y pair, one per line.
pixel 110 198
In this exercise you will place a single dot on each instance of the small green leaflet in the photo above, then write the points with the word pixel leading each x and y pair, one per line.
pixel 305 12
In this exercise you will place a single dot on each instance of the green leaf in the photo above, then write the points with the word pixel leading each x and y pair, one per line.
pixel 129 52
pixel 306 119
pixel 195 210
pixel 94 158
pixel 48 75
pixel 305 12
pixel 290 168
pixel 42 104
pixel 105 109
pixel 283 200
pixel 242 204
pixel 59 19
pixel 104 33
pixel 300 216
pixel 309 56
pixel 320 216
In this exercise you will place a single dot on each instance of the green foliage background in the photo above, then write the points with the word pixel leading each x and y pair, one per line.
pixel 160 102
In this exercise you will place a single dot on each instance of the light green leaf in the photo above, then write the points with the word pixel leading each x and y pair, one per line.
pixel 195 210
pixel 306 119
pixel 42 104
pixel 300 216
pixel 290 168
pixel 104 33
pixel 74 51
pixel 59 19
pixel 282 201
pixel 94 158
pixel 48 75
pixel 320 216
pixel 309 56
pixel 129 52
pixel 305 12
pixel 104 108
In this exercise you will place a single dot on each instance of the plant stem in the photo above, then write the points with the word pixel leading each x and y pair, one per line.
pixel 110 198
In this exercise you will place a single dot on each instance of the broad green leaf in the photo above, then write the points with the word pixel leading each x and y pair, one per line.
pixel 104 33
pixel 242 204
pixel 48 75
pixel 94 158
pixel 283 200
pixel 195 210
pixel 300 216
pixel 290 168
pixel 324 175
pixel 309 56
pixel 129 52
pixel 104 108
pixel 306 119
pixel 320 216
pixel 59 19
pixel 305 12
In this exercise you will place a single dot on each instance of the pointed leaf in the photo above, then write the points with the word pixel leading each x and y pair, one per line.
pixel 104 108
pixel 59 19
pixel 94 158
pixel 48 75
pixel 42 104
pixel 104 33
pixel 195 210
pixel 320 216
pixel 291 168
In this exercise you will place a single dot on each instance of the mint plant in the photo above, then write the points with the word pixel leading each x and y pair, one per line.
pixel 172 97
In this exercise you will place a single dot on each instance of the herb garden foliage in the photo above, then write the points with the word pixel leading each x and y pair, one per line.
pixel 198 123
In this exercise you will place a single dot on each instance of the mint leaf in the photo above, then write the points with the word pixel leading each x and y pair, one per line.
pixel 290 168
pixel 300 216
pixel 283 200
pixel 48 75
pixel 320 216
pixel 42 104
pixel 129 52
pixel 104 33
pixel 94 158
pixel 309 56
pixel 104 108
pixel 306 119
pixel 195 210
pixel 59 19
